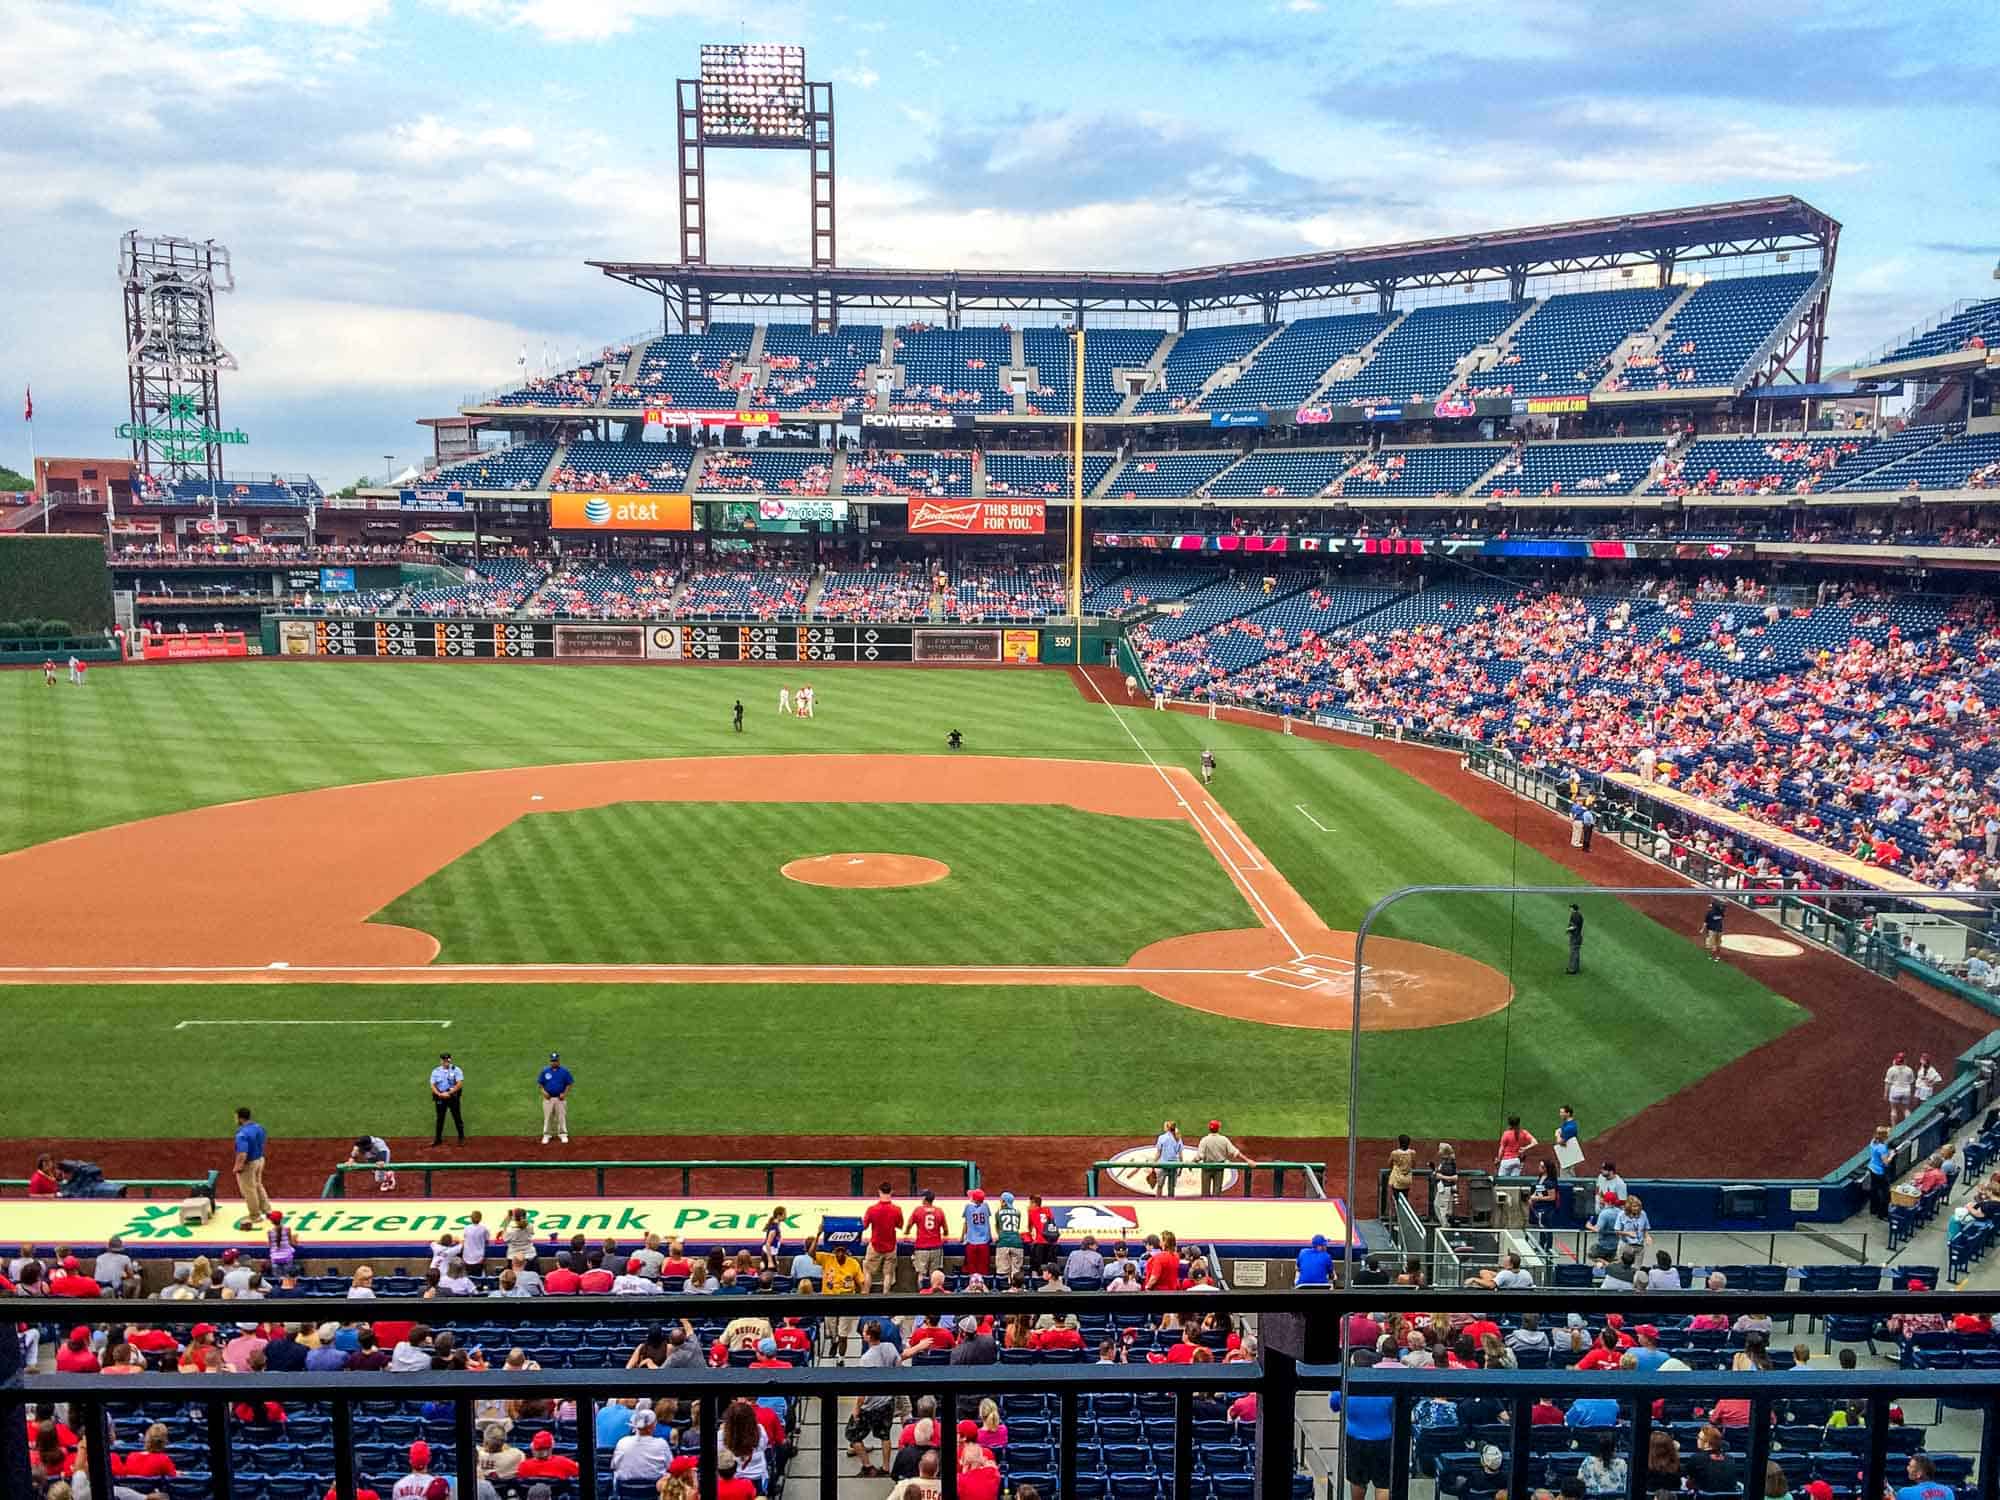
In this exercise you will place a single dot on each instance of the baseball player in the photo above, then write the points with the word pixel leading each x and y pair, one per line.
pixel 784 700
pixel 75 672
pixel 49 671
pixel 1208 768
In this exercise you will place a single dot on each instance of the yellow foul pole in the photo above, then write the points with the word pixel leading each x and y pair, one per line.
pixel 1076 507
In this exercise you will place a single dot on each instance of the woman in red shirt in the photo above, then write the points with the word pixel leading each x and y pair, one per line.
pixel 153 1461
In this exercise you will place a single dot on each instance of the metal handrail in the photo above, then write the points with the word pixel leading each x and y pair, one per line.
pixel 1299 1333
pixel 858 1170
pixel 1314 1171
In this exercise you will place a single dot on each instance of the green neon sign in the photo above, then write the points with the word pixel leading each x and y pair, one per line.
pixel 187 438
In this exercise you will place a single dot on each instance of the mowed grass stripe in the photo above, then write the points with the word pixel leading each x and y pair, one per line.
pixel 672 882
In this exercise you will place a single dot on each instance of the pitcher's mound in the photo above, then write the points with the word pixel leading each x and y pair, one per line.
pixel 865 872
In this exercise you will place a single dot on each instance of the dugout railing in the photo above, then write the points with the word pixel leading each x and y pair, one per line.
pixel 1297 1339
pixel 1187 1175
pixel 126 1187
pixel 864 1173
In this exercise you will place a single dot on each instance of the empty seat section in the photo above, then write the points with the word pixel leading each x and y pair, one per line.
pixel 952 369
pixel 809 371
pixel 1047 474
pixel 1196 356
pixel 1295 362
pixel 1169 476
pixel 1303 472
pixel 1565 348
pixel 1420 357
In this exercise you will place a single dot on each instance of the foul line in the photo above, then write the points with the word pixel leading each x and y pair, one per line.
pixel 1223 822
pixel 183 1025
pixel 1310 818
pixel 725 971
pixel 1242 879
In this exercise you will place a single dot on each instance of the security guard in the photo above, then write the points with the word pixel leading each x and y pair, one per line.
pixel 447 1091
pixel 1575 940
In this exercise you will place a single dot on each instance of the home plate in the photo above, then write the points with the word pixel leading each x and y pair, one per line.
pixel 1310 971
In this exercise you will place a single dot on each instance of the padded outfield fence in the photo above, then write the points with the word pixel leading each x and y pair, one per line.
pixel 1298 1342
pixel 863 1173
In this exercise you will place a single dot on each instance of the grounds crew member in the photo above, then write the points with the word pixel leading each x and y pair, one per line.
pixel 447 1093
pixel 738 716
pixel 1575 940
pixel 250 1144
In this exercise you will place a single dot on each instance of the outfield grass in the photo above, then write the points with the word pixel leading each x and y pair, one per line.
pixel 698 883
pixel 1650 1015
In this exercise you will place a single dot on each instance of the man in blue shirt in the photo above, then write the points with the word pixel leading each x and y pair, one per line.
pixel 447 1089
pixel 1592 1411
pixel 1365 1430
pixel 250 1144
pixel 554 1082
pixel 1923 1483
pixel 1316 1263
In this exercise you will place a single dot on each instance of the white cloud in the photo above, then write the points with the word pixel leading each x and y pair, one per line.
pixel 588 20
pixel 1305 7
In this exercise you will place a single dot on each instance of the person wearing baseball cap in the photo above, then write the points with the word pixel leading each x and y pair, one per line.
pixel 543 1462
pixel 553 1083
pixel 415 1485
pixel 448 1095
pixel 1009 1247
pixel 1215 1151
pixel 977 1235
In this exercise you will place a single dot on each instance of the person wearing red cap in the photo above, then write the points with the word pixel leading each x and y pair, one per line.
pixel 361 1492
pixel 415 1485
pixel 1215 1151
pixel 75 1357
pixel 543 1462
pixel 69 1280
pixel 978 1474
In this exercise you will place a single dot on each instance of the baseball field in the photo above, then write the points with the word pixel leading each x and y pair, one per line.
pixel 292 884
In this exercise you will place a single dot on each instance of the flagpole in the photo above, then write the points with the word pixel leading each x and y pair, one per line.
pixel 34 457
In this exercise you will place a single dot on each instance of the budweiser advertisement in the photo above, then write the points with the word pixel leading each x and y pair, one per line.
pixel 979 517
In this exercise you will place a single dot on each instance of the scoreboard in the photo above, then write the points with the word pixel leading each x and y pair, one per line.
pixel 658 642
pixel 796 642
pixel 415 638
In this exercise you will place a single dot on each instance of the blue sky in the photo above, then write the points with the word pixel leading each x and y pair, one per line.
pixel 410 187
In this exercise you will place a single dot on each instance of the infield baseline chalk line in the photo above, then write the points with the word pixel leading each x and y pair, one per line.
pixel 1241 878
pixel 183 1025
pixel 886 970
pixel 1310 818
pixel 1222 821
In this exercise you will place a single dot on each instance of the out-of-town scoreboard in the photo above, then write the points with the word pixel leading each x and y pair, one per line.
pixel 658 642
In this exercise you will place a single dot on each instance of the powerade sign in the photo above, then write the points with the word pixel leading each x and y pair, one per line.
pixel 1239 419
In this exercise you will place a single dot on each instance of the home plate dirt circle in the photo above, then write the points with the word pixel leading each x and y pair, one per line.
pixel 865 872
pixel 1760 947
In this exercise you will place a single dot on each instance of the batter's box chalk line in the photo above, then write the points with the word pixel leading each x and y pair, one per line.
pixel 1310 971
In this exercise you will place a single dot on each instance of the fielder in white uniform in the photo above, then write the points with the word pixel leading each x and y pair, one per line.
pixel 784 700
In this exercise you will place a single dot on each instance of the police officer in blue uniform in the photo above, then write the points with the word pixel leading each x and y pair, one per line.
pixel 447 1091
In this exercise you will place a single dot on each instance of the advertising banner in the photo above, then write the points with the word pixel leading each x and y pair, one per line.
pixel 663 643
pixel 668 417
pixel 1545 406
pixel 957 645
pixel 1239 419
pixel 1391 413
pixel 601 642
pixel 431 499
pixel 206 527
pixel 916 421
pixel 1313 416
pixel 1243 1226
pixel 1020 646
pixel 979 517
pixel 621 513
pixel 1455 406
pixel 194 646
pixel 336 580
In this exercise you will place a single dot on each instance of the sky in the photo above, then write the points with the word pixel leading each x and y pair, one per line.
pixel 410 188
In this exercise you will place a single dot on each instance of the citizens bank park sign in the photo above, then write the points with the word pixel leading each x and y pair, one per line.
pixel 157 1229
pixel 978 517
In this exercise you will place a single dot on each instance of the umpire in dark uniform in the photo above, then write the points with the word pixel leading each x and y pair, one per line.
pixel 447 1091
pixel 1575 940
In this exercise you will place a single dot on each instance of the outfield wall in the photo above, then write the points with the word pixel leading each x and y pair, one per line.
pixel 668 641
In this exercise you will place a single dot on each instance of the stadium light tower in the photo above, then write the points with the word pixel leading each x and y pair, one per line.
pixel 753 96
pixel 173 358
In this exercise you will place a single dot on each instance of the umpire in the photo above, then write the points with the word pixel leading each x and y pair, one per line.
pixel 447 1091
pixel 1575 940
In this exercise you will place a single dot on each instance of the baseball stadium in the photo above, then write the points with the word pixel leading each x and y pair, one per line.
pixel 1438 795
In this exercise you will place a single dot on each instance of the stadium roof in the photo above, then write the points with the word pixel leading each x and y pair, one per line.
pixel 1753 226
